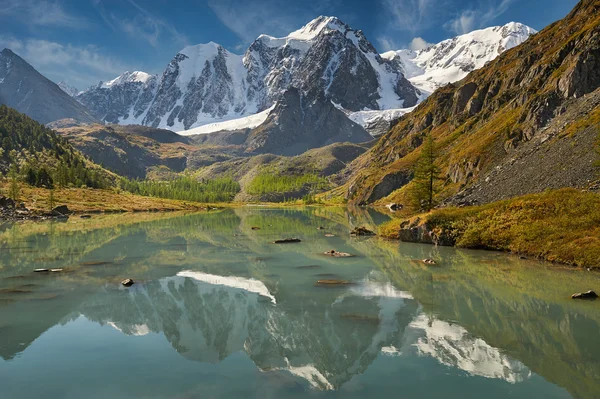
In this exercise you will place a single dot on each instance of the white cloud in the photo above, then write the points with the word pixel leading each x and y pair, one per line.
pixel 41 13
pixel 418 43
pixel 387 44
pixel 410 15
pixel 471 19
pixel 273 17
pixel 82 65
pixel 143 26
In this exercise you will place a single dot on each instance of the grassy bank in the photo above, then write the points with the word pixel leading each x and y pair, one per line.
pixel 97 200
pixel 559 226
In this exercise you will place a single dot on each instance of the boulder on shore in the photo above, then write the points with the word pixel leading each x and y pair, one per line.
pixel 61 210
pixel 585 295
pixel 6 202
pixel 362 231
pixel 393 207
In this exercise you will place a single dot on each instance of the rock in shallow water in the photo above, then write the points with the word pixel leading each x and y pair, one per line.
pixel 337 254
pixel 287 241
pixel 127 282
pixel 333 283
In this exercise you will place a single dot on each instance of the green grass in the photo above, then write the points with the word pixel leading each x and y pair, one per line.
pixel 559 226
pixel 267 182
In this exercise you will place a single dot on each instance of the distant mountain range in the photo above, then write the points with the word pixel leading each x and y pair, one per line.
pixel 205 84
pixel 321 84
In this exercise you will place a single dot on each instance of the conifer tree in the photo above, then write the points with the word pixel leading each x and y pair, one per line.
pixel 426 176
pixel 14 189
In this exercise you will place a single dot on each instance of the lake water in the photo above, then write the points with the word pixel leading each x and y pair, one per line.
pixel 218 311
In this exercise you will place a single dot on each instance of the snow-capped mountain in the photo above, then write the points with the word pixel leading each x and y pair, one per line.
pixel 206 88
pixel 446 62
pixel 327 55
pixel 451 60
pixel 207 84
pixel 123 100
pixel 70 90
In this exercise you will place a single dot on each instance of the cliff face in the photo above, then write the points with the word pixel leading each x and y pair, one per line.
pixel 525 122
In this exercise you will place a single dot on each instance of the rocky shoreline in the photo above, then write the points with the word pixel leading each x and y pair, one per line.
pixel 14 211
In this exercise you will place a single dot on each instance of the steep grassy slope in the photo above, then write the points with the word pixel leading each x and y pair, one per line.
pixel 560 226
pixel 525 122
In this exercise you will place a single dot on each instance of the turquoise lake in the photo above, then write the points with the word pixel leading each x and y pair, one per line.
pixel 219 311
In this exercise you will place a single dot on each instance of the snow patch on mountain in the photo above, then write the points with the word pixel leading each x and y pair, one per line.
pixel 128 77
pixel 364 118
pixel 248 122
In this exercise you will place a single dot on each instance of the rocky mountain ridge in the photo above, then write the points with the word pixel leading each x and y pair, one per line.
pixel 206 83
pixel 529 116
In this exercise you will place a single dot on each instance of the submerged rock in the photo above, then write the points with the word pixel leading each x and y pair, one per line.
pixel 585 295
pixel 362 231
pixel 127 282
pixel 287 241
pixel 333 283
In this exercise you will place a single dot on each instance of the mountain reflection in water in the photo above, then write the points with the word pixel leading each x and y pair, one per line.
pixel 222 296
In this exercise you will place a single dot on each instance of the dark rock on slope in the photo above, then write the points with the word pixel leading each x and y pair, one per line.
pixel 299 123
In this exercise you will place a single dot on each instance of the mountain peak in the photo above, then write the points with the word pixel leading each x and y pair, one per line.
pixel 318 25
pixel 127 77
pixel 206 49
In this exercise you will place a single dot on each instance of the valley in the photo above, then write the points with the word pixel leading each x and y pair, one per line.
pixel 278 199
pixel 320 117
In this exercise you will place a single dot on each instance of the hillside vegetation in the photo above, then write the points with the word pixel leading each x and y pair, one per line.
pixel 559 226
pixel 36 155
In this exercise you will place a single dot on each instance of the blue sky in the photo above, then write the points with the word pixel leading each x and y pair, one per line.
pixel 84 41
